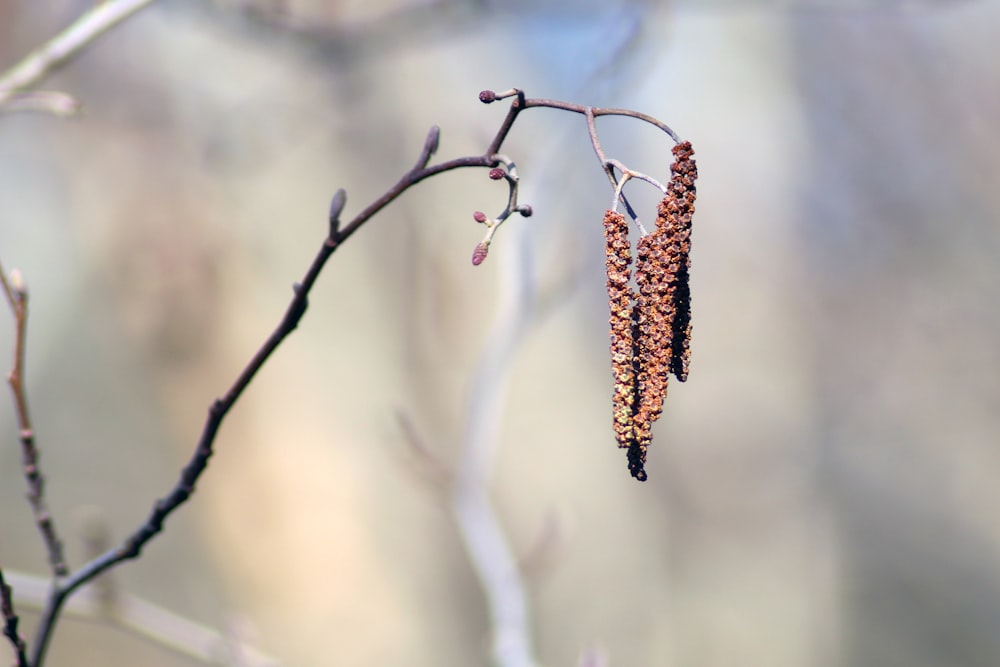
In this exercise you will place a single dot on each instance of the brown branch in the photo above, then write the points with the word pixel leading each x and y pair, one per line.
pixel 185 486
pixel 10 621
pixel 17 298
pixel 297 306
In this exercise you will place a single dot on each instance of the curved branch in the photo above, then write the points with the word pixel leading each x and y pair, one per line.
pixel 471 493
pixel 604 111
pixel 185 486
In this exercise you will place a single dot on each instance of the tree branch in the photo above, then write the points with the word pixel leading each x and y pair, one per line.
pixel 485 539
pixel 17 298
pixel 132 546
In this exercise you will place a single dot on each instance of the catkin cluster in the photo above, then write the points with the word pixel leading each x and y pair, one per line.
pixel 650 322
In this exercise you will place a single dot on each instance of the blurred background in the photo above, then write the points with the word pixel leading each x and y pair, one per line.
pixel 823 490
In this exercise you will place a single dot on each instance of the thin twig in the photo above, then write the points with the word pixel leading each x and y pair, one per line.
pixel 438 474
pixel 10 621
pixel 608 166
pixel 632 173
pixel 54 102
pixel 480 528
pixel 64 47
pixel 509 174
pixel 138 618
pixel 603 111
pixel 17 298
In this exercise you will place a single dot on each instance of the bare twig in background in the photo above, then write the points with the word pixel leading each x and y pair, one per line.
pixel 47 101
pixel 435 471
pixel 17 298
pixel 539 558
pixel 501 573
pixel 10 622
pixel 484 538
pixel 96 537
pixel 140 618
pixel 57 52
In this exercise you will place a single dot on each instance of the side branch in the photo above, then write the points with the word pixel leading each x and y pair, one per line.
pixel 522 102
pixel 17 298
pixel 604 111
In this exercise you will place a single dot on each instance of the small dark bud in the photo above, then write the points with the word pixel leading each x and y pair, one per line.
pixel 479 216
pixel 525 210
pixel 496 173
pixel 487 96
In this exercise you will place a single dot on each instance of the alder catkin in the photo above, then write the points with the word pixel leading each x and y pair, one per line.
pixel 651 324
pixel 653 315
pixel 676 210
pixel 618 257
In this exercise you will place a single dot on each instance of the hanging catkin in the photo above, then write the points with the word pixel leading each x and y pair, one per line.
pixel 651 325
pixel 618 255
pixel 677 210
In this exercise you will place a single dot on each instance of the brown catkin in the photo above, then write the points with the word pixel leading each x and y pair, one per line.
pixel 618 256
pixel 651 325
pixel 677 209
pixel 651 322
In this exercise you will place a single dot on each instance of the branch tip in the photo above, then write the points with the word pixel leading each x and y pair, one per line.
pixel 433 138
pixel 336 207
pixel 17 284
